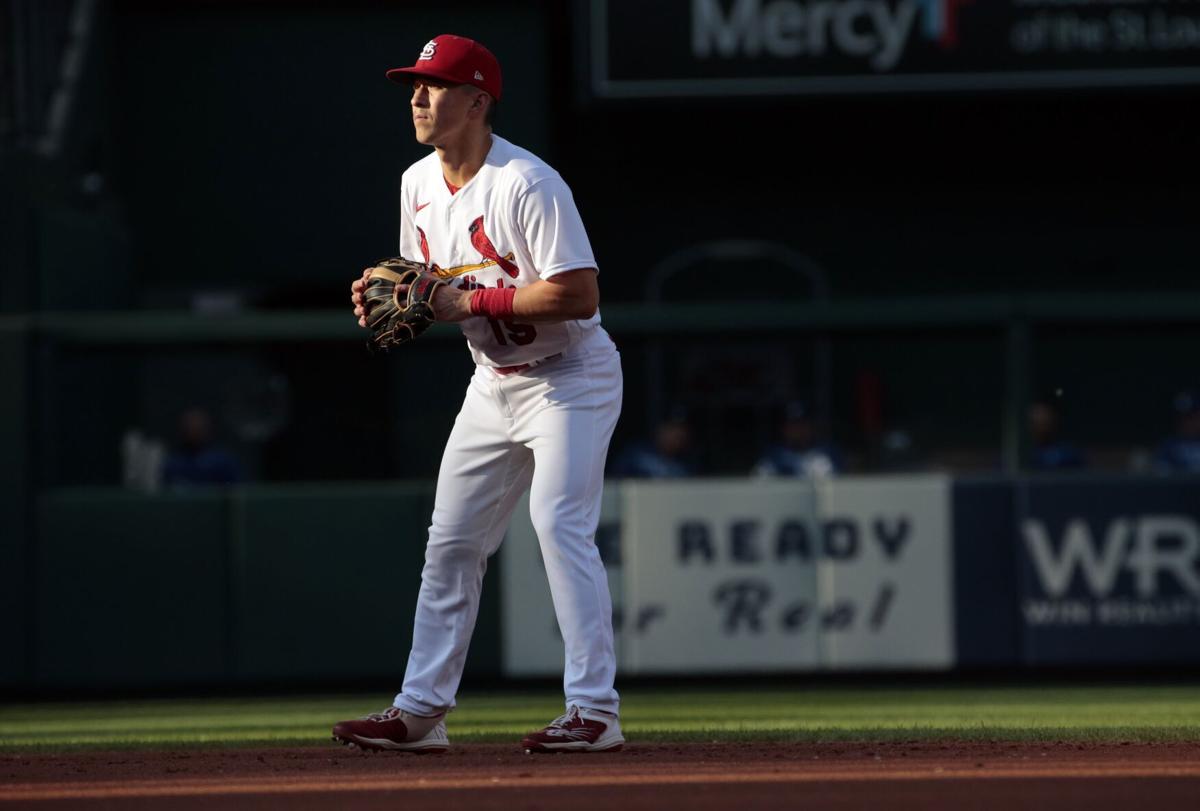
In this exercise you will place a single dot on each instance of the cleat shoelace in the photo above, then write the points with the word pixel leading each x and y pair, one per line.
pixel 386 715
pixel 563 721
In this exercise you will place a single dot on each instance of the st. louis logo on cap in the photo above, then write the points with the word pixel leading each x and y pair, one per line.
pixel 428 51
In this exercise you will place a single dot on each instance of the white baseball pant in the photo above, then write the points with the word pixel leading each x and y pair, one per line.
pixel 546 429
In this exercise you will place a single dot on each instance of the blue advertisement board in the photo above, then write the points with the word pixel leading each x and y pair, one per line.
pixel 1108 572
pixel 986 621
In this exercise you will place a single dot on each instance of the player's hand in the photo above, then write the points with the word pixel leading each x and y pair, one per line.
pixel 356 296
pixel 448 304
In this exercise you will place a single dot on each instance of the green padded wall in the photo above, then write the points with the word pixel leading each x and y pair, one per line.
pixel 14 502
pixel 325 582
pixel 326 578
pixel 254 585
pixel 131 589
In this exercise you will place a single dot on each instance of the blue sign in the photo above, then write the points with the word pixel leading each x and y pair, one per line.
pixel 1108 571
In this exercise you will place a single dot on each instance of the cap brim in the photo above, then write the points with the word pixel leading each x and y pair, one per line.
pixel 406 75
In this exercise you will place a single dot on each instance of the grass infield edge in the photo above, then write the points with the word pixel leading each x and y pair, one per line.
pixel 890 735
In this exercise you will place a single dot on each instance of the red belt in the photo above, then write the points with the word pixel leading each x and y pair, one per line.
pixel 511 370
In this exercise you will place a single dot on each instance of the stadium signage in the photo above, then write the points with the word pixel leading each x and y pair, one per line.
pixel 751 540
pixel 746 575
pixel 746 605
pixel 873 31
pixel 1109 571
pixel 1149 547
pixel 751 604
pixel 749 575
pixel 1159 554
pixel 780 47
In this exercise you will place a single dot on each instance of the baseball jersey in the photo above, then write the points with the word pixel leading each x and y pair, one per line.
pixel 513 223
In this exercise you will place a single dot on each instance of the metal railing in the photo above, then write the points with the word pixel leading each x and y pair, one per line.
pixel 131 327
pixel 1013 317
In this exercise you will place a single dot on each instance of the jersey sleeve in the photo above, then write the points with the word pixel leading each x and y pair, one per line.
pixel 553 229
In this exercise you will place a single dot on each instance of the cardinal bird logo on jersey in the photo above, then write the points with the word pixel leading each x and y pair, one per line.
pixel 481 243
pixel 484 245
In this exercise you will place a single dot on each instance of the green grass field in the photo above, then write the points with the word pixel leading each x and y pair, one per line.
pixel 1154 713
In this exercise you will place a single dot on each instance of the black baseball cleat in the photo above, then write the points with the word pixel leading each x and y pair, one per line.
pixel 394 730
pixel 581 729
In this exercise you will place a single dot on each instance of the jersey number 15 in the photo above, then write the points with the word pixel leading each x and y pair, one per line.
pixel 507 332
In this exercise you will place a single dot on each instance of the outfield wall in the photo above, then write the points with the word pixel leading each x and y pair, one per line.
pixel 735 576
pixel 315 583
pixel 256 584
pixel 1103 571
pixel 863 573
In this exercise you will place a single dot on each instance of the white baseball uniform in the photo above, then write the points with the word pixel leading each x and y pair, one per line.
pixel 538 413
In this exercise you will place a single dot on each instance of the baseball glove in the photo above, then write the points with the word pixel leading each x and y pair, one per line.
pixel 398 302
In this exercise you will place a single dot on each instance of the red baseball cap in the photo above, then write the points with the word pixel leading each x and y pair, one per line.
pixel 454 59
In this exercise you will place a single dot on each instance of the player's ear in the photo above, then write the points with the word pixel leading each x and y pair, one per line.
pixel 477 98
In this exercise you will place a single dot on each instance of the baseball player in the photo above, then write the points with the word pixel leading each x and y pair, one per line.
pixel 501 227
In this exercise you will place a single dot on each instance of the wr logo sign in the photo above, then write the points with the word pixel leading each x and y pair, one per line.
pixel 1148 547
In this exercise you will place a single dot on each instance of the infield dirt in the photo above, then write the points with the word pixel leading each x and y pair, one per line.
pixel 482 777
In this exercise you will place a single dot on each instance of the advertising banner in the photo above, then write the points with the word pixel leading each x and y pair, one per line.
pixel 773 47
pixel 755 575
pixel 987 625
pixel 889 563
pixel 1109 572
pixel 725 571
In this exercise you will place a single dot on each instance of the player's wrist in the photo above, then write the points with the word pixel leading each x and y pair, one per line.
pixel 447 305
pixel 492 302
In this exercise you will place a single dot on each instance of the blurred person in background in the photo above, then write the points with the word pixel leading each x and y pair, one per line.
pixel 1048 451
pixel 198 459
pixel 799 452
pixel 898 452
pixel 668 456
pixel 1181 452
